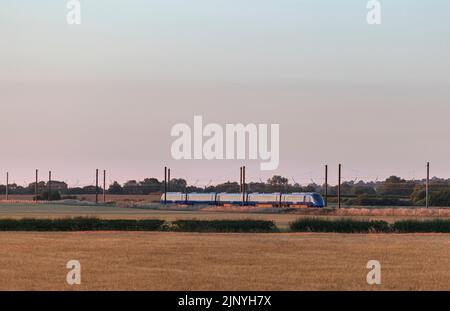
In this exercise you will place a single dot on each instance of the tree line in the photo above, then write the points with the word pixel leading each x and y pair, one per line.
pixel 392 191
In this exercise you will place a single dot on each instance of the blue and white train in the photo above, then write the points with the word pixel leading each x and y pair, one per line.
pixel 309 199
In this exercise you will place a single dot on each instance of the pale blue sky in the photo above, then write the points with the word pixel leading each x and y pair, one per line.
pixel 376 98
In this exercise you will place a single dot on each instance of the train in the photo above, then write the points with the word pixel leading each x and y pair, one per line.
pixel 308 199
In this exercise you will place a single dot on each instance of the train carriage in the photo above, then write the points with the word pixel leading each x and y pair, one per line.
pixel 264 198
pixel 231 198
pixel 310 199
pixel 201 198
pixel 174 197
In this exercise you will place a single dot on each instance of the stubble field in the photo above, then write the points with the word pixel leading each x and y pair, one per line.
pixel 193 261
pixel 213 261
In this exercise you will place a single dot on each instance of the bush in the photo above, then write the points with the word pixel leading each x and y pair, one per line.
pixel 410 226
pixel 80 224
pixel 224 226
pixel 366 200
pixel 340 226
pixel 256 226
pixel 440 198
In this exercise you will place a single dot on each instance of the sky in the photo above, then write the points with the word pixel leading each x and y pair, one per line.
pixel 105 94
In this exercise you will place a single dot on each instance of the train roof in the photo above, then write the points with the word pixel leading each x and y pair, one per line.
pixel 240 193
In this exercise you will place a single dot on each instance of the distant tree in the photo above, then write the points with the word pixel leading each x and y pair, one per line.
pixel 132 187
pixel 255 187
pixel 194 189
pixel 440 198
pixel 296 188
pixel 224 187
pixel 397 186
pixel 277 180
pixel 310 188
pixel 151 185
pixel 360 190
pixel 178 185
pixel 418 195
pixel 347 188
pixel 277 183
pixel 115 188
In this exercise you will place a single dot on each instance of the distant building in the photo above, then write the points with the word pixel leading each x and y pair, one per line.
pixel 41 187
pixel 59 186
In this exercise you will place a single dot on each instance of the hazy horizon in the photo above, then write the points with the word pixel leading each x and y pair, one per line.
pixel 105 94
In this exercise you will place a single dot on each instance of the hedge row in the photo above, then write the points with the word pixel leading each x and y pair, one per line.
pixel 434 226
pixel 80 224
pixel 340 226
pixel 362 226
pixel 95 224
pixel 301 225
pixel 224 226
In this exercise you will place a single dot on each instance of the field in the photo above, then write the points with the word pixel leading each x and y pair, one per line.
pixel 213 261
pixel 190 261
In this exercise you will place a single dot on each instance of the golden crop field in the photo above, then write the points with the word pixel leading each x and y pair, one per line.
pixel 213 261
pixel 193 261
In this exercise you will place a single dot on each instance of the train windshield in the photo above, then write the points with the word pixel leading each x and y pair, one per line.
pixel 318 200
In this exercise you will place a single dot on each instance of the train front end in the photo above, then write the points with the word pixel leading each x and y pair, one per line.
pixel 317 200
